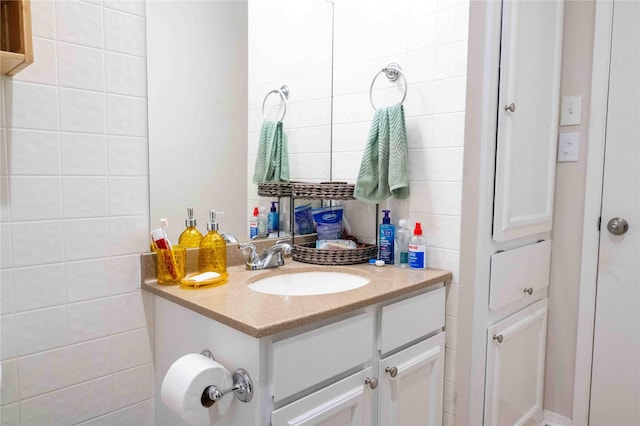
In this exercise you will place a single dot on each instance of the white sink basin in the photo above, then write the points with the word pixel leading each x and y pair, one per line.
pixel 308 283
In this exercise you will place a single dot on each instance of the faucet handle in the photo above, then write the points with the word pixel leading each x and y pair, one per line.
pixel 253 255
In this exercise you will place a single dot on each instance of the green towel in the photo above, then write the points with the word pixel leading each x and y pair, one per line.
pixel 272 162
pixel 383 171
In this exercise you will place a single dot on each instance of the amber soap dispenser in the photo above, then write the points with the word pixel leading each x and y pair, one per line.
pixel 190 237
pixel 212 256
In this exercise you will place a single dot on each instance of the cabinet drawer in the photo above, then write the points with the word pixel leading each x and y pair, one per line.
pixel 517 273
pixel 411 319
pixel 345 402
pixel 313 357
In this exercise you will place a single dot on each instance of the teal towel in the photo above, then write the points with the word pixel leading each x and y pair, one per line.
pixel 272 162
pixel 383 171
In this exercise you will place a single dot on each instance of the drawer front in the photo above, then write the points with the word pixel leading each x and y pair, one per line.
pixel 518 273
pixel 410 319
pixel 318 355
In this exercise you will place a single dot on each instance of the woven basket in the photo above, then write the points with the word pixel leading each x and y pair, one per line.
pixel 307 253
pixel 275 189
pixel 325 191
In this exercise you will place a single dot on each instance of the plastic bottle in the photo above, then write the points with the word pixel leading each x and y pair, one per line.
pixel 190 237
pixel 417 249
pixel 212 256
pixel 253 224
pixel 386 239
pixel 403 235
pixel 273 221
pixel 263 230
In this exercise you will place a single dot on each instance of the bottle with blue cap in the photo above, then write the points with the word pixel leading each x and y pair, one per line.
pixel 386 239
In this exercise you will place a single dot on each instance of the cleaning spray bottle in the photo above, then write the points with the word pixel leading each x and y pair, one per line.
pixel 417 249
pixel 253 224
pixel 213 249
pixel 387 239
pixel 190 237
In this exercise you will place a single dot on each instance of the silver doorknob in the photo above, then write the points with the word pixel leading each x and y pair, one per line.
pixel 393 371
pixel 511 107
pixel 529 290
pixel 618 226
pixel 499 338
pixel 372 382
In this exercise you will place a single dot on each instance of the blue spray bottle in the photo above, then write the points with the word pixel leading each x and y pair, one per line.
pixel 387 239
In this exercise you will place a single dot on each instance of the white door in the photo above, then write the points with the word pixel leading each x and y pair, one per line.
pixel 527 118
pixel 615 383
pixel 345 403
pixel 515 367
pixel 411 384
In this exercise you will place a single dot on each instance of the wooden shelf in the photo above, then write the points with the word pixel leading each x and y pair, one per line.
pixel 16 48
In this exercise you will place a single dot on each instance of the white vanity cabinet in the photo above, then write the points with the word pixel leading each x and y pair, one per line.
pixel 411 384
pixel 331 372
pixel 401 378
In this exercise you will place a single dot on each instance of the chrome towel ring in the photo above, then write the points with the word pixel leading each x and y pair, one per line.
pixel 393 71
pixel 284 95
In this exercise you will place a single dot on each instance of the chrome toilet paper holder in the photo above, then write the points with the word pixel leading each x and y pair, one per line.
pixel 242 386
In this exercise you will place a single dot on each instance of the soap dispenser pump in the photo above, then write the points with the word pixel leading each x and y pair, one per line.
pixel 190 237
pixel 212 256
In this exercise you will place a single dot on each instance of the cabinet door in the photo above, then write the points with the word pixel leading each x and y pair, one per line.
pixel 345 403
pixel 414 395
pixel 527 118
pixel 515 367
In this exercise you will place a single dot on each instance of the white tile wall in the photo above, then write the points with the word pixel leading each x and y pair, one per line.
pixel 74 336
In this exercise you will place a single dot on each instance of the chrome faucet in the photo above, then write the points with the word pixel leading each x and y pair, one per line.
pixel 272 258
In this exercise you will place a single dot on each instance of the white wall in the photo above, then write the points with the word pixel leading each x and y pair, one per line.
pixel 197 77
pixel 568 215
pixel 74 216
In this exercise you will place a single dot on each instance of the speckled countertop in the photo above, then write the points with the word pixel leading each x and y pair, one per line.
pixel 259 315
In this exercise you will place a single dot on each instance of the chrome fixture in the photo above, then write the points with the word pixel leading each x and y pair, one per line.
pixel 272 258
pixel 393 71
pixel 393 371
pixel 499 338
pixel 511 107
pixel 618 226
pixel 242 386
pixel 283 91
pixel 372 382
pixel 529 290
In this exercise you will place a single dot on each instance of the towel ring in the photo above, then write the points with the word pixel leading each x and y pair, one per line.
pixel 393 71
pixel 284 95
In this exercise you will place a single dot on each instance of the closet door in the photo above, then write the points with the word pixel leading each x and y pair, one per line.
pixel 527 117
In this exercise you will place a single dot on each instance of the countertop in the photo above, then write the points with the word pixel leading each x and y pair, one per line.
pixel 259 315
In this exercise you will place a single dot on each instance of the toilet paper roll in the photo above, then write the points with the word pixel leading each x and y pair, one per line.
pixel 184 383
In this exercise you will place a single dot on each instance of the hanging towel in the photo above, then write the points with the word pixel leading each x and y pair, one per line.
pixel 383 171
pixel 272 162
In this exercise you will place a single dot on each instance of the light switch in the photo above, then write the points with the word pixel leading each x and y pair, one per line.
pixel 568 146
pixel 571 111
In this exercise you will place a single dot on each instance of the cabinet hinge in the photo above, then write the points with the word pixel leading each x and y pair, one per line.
pixel 599 223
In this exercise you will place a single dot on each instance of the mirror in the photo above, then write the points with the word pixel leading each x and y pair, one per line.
pixel 209 66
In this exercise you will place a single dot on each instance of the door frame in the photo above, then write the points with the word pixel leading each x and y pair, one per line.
pixel 592 208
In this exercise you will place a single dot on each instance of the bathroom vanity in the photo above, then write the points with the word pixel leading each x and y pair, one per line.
pixel 371 355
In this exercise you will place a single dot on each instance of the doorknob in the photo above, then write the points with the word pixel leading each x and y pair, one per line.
pixel 511 107
pixel 618 226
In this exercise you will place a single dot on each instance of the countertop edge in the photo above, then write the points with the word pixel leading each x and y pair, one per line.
pixel 271 329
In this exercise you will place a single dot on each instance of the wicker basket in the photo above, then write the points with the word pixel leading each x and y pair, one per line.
pixel 275 189
pixel 307 253
pixel 324 191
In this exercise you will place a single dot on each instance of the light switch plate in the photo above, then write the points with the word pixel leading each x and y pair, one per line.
pixel 568 146
pixel 571 110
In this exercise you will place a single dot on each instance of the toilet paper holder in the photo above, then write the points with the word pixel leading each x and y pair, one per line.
pixel 242 386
